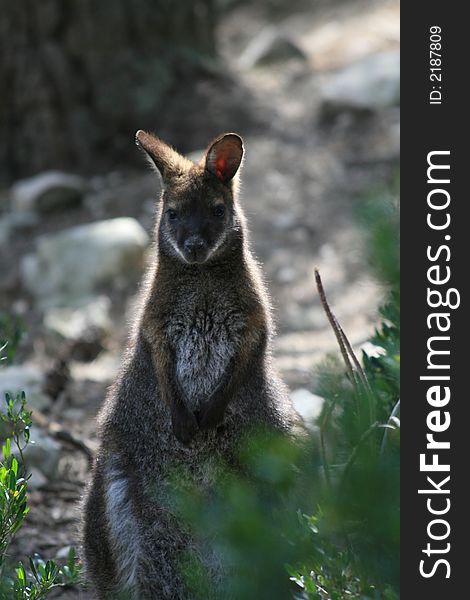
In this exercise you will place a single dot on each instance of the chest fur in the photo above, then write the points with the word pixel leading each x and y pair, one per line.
pixel 206 333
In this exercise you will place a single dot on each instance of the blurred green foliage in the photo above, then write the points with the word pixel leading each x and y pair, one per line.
pixel 379 213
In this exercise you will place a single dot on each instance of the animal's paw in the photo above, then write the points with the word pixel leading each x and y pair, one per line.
pixel 184 425
pixel 211 415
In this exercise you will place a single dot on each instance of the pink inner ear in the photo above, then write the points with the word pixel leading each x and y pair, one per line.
pixel 224 156
pixel 221 167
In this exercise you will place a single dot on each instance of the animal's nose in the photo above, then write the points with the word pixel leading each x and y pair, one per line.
pixel 194 244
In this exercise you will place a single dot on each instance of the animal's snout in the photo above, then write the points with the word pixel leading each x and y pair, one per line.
pixel 193 244
pixel 195 249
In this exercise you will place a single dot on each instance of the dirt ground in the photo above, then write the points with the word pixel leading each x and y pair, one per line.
pixel 301 180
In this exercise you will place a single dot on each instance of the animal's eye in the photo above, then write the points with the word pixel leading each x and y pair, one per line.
pixel 172 214
pixel 219 210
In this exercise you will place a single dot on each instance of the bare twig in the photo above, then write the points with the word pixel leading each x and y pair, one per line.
pixel 356 374
pixel 334 325
pixel 354 358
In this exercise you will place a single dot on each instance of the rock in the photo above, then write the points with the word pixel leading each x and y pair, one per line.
pixel 80 329
pixel 269 47
pixel 71 266
pixel 70 322
pixel 63 553
pixel 16 222
pixel 36 480
pixel 102 369
pixel 372 83
pixel 42 453
pixel 27 379
pixel 308 405
pixel 47 192
pixel 73 413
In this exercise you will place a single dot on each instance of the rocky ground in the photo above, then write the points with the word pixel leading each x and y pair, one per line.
pixel 72 249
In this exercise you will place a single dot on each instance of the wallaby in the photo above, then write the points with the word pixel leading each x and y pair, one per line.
pixel 197 374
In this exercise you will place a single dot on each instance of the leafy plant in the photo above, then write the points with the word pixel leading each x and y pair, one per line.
pixel 35 581
pixel 43 577
pixel 13 508
pixel 361 470
pixel 11 332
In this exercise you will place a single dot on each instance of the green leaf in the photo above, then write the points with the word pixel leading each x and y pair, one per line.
pixel 21 574
pixel 7 449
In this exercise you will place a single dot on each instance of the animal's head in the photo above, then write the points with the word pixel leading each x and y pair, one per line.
pixel 198 216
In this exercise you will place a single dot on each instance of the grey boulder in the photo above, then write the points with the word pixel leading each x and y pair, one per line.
pixel 47 191
pixel 79 262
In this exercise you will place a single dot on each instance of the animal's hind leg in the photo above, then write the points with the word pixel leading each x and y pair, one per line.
pixel 129 539
pixel 112 531
pixel 99 563
pixel 163 544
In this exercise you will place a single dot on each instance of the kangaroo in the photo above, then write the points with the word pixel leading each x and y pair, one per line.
pixel 196 375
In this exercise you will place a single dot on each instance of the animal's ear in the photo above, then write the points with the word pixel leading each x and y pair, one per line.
pixel 224 156
pixel 166 159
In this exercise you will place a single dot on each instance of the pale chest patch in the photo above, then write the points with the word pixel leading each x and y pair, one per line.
pixel 205 340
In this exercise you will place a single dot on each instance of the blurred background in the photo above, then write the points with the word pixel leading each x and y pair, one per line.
pixel 313 87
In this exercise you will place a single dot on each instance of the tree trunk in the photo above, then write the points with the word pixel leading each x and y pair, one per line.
pixel 78 77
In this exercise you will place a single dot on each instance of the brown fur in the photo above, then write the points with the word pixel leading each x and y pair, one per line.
pixel 196 375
